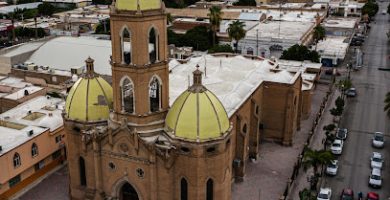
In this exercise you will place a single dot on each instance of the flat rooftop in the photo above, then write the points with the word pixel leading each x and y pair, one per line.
pixel 16 123
pixel 333 47
pixel 348 22
pixel 231 79
pixel 280 30
pixel 21 93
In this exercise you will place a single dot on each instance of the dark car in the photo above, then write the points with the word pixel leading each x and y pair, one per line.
pixel 351 92
pixel 356 43
pixel 372 196
pixel 341 133
pixel 346 194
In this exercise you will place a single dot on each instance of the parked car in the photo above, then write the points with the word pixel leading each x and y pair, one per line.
pixel 337 147
pixel 356 43
pixel 372 196
pixel 347 194
pixel 378 140
pixel 375 179
pixel 376 160
pixel 351 92
pixel 332 168
pixel 324 194
pixel 341 133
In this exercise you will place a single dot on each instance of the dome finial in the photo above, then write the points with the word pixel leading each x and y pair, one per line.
pixel 197 76
pixel 89 65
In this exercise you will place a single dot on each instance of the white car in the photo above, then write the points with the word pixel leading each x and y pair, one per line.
pixel 378 140
pixel 324 194
pixel 375 179
pixel 332 168
pixel 376 160
pixel 337 147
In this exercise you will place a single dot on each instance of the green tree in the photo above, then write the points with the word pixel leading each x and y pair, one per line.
pixel 236 31
pixel 221 48
pixel 245 3
pixel 215 20
pixel 370 8
pixel 300 53
pixel 336 111
pixel 340 103
pixel 319 33
pixel 101 2
pixel 306 194
pixel 315 159
pixel 100 29
pixel 198 38
pixel 46 9
pixel 329 127
pixel 387 104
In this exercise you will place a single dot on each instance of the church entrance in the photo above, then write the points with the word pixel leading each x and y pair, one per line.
pixel 127 192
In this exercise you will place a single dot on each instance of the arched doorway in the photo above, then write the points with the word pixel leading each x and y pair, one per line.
pixel 127 192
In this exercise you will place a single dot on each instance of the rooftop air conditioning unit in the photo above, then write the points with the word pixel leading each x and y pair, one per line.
pixel 30 133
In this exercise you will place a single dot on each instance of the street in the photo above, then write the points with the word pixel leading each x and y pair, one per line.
pixel 364 115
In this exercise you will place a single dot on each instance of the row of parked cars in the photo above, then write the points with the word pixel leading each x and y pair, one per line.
pixel 376 164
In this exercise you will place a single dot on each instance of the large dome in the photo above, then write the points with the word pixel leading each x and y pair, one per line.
pixel 197 115
pixel 132 5
pixel 90 98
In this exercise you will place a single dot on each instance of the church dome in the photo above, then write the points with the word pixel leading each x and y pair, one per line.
pixel 133 5
pixel 197 114
pixel 90 98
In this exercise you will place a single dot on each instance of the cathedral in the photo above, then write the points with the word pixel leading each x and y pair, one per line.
pixel 125 141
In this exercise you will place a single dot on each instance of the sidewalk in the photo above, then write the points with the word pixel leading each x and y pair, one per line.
pixel 316 143
pixel 267 178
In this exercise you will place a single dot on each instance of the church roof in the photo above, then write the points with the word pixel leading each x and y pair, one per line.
pixel 90 98
pixel 197 115
pixel 134 5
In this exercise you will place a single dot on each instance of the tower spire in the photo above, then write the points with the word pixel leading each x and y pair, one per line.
pixel 89 66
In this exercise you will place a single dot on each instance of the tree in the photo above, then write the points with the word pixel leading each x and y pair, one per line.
pixel 236 31
pixel 46 9
pixel 300 53
pixel 306 194
pixel 100 29
pixel 370 8
pixel 315 158
pixel 198 38
pixel 101 2
pixel 221 48
pixel 388 9
pixel 336 111
pixel 387 104
pixel 319 33
pixel 339 103
pixel 245 3
pixel 329 127
pixel 215 20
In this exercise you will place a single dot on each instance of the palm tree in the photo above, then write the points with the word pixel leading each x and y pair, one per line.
pixel 236 31
pixel 319 33
pixel 316 158
pixel 387 104
pixel 215 20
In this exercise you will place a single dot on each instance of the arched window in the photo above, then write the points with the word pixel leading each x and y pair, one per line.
pixel 127 88
pixel 126 46
pixel 17 160
pixel 155 95
pixel 209 190
pixel 249 51
pixel 153 46
pixel 183 189
pixel 34 150
pixel 83 177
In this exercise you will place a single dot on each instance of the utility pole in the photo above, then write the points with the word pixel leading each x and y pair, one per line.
pixel 104 26
pixel 257 42
pixel 36 28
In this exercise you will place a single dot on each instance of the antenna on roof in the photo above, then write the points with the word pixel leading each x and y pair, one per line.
pixel 205 66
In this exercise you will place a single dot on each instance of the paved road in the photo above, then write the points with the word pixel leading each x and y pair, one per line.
pixel 364 115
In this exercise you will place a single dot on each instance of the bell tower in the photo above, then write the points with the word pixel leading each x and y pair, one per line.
pixel 139 63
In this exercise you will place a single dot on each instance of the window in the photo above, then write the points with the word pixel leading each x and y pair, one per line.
pixel 183 189
pixel 34 150
pixel 17 160
pixel 153 49
pixel 209 190
pixel 83 178
pixel 154 95
pixel 244 128
pixel 126 46
pixel 127 96
pixel 39 165
pixel 56 154
pixel 58 138
pixel 13 181
pixel 249 51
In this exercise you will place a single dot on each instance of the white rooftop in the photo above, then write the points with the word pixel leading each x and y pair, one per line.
pixel 66 1
pixel 348 22
pixel 11 138
pixel 335 47
pixel 232 79
pixel 280 30
pixel 9 9
pixel 21 93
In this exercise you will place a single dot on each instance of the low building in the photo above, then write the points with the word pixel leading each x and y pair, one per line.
pixel 69 3
pixel 9 9
pixel 332 50
pixel 346 8
pixel 337 26
pixel 31 143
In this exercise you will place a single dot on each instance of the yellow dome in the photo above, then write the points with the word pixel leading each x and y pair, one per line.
pixel 132 5
pixel 197 115
pixel 90 98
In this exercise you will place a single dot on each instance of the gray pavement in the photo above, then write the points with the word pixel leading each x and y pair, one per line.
pixel 267 178
pixel 364 115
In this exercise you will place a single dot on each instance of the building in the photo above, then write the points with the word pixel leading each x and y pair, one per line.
pixel 69 3
pixel 337 26
pixel 138 139
pixel 346 8
pixel 31 143
pixel 332 50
